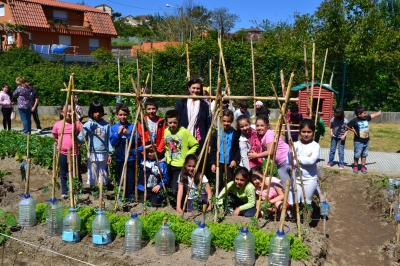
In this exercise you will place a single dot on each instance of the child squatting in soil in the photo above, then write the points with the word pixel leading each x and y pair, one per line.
pixel 199 183
pixel 120 135
pixel 242 194
pixel 66 145
pixel 97 134
pixel 359 126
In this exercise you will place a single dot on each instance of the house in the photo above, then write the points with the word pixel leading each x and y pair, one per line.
pixel 106 8
pixel 48 22
pixel 254 33
pixel 135 21
pixel 149 46
pixel 326 102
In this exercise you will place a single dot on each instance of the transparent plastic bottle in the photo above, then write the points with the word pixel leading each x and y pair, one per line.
pixel 279 248
pixel 133 233
pixel 54 217
pixel 71 227
pixel 201 242
pixel 397 211
pixel 324 208
pixel 165 240
pixel 27 211
pixel 101 230
pixel 245 248
pixel 391 190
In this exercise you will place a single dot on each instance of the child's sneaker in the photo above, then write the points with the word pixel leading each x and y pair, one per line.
pixel 341 167
pixel 364 170
pixel 355 169
pixel 329 165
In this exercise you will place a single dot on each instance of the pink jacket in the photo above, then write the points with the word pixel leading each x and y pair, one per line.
pixel 5 100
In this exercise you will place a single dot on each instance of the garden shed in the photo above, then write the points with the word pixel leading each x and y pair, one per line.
pixel 326 104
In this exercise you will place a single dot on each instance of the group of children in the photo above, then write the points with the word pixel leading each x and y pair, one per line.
pixel 167 155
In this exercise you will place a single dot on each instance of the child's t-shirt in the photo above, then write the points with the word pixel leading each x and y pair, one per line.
pixel 194 190
pixel 282 149
pixel 307 155
pixel 338 127
pixel 362 128
pixel 239 113
pixel 178 145
pixel 246 194
pixel 272 191
pixel 67 138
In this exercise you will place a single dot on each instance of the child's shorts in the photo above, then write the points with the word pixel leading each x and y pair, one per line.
pixel 360 149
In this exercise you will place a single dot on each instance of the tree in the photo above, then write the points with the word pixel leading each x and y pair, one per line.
pixel 222 20
pixel 115 15
pixel 200 15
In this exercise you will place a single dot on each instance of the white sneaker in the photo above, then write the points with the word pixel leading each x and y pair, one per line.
pixel 39 130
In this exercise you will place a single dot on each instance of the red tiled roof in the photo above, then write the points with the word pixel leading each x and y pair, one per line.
pixel 23 9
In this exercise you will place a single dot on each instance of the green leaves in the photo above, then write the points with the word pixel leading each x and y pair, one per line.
pixel 7 220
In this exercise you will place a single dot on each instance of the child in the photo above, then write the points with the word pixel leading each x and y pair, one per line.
pixel 231 140
pixel 307 154
pixel 97 134
pixel 120 135
pixel 248 142
pixel 293 116
pixel 184 180
pixel 242 194
pixel 359 126
pixel 243 106
pixel 268 144
pixel 338 135
pixel 6 106
pixel 179 143
pixel 320 131
pixel 66 145
pixel 156 126
pixel 276 193
pixel 153 183
pixel 34 98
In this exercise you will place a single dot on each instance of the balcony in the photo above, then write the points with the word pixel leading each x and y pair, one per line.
pixel 67 23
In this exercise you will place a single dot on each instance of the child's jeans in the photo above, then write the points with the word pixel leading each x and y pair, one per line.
pixel 130 177
pixel 63 166
pixel 361 149
pixel 334 143
pixel 236 202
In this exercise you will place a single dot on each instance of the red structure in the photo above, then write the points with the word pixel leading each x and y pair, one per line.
pixel 326 104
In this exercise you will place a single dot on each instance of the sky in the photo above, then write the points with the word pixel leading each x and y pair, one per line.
pixel 274 10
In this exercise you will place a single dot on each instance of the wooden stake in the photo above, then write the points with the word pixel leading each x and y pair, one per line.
pixel 210 81
pixel 71 184
pixel 28 138
pixel 283 212
pixel 320 88
pixel 254 75
pixel 101 190
pixel 136 162
pixel 187 62
pixel 126 167
pixel 119 76
pixel 53 179
pixel 73 137
pixel 398 225
pixel 28 173
pixel 306 75
pixel 312 80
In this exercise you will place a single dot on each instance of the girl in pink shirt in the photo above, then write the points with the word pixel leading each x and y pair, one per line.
pixel 248 142
pixel 66 145
pixel 268 144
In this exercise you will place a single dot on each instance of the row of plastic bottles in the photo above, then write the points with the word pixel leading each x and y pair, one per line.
pixel 244 242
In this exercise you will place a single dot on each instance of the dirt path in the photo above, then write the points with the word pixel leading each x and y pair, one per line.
pixel 354 230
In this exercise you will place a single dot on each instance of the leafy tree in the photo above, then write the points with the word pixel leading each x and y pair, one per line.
pixel 115 15
pixel 222 20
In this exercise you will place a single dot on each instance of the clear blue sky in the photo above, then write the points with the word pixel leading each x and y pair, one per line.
pixel 274 10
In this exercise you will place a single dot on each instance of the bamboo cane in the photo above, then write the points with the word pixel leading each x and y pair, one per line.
pixel 187 62
pixel 73 137
pixel 124 170
pixel 217 165
pixel 144 157
pixel 306 75
pixel 283 83
pixel 254 75
pixel 261 98
pixel 152 73
pixel 138 73
pixel 312 79
pixel 119 75
pixel 269 156
pixel 71 184
pixel 320 87
pixel 28 138
pixel 398 226
pixel 136 162
pixel 283 213
pixel 53 179
pixel 324 222
pixel 210 81
pixel 101 191
pixel 203 149
pixel 28 173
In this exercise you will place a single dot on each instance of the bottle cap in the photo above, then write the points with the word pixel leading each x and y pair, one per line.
pixel 135 215
pixel 281 233
pixel 27 196
pixel 53 200
pixel 200 224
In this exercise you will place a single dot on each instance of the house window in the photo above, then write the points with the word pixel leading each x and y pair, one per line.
pixel 64 39
pixel 2 11
pixel 94 44
pixel 60 16
pixel 10 38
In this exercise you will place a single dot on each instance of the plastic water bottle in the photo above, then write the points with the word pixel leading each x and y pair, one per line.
pixel 165 240
pixel 390 189
pixel 201 242
pixel 71 227
pixel 324 208
pixel 279 248
pixel 54 217
pixel 101 230
pixel 245 248
pixel 27 211
pixel 133 234
pixel 397 211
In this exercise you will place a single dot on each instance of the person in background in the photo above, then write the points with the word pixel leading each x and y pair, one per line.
pixel 243 106
pixel 34 98
pixel 78 108
pixel 320 132
pixel 261 109
pixel 22 93
pixel 338 136
pixel 6 106
pixel 293 117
